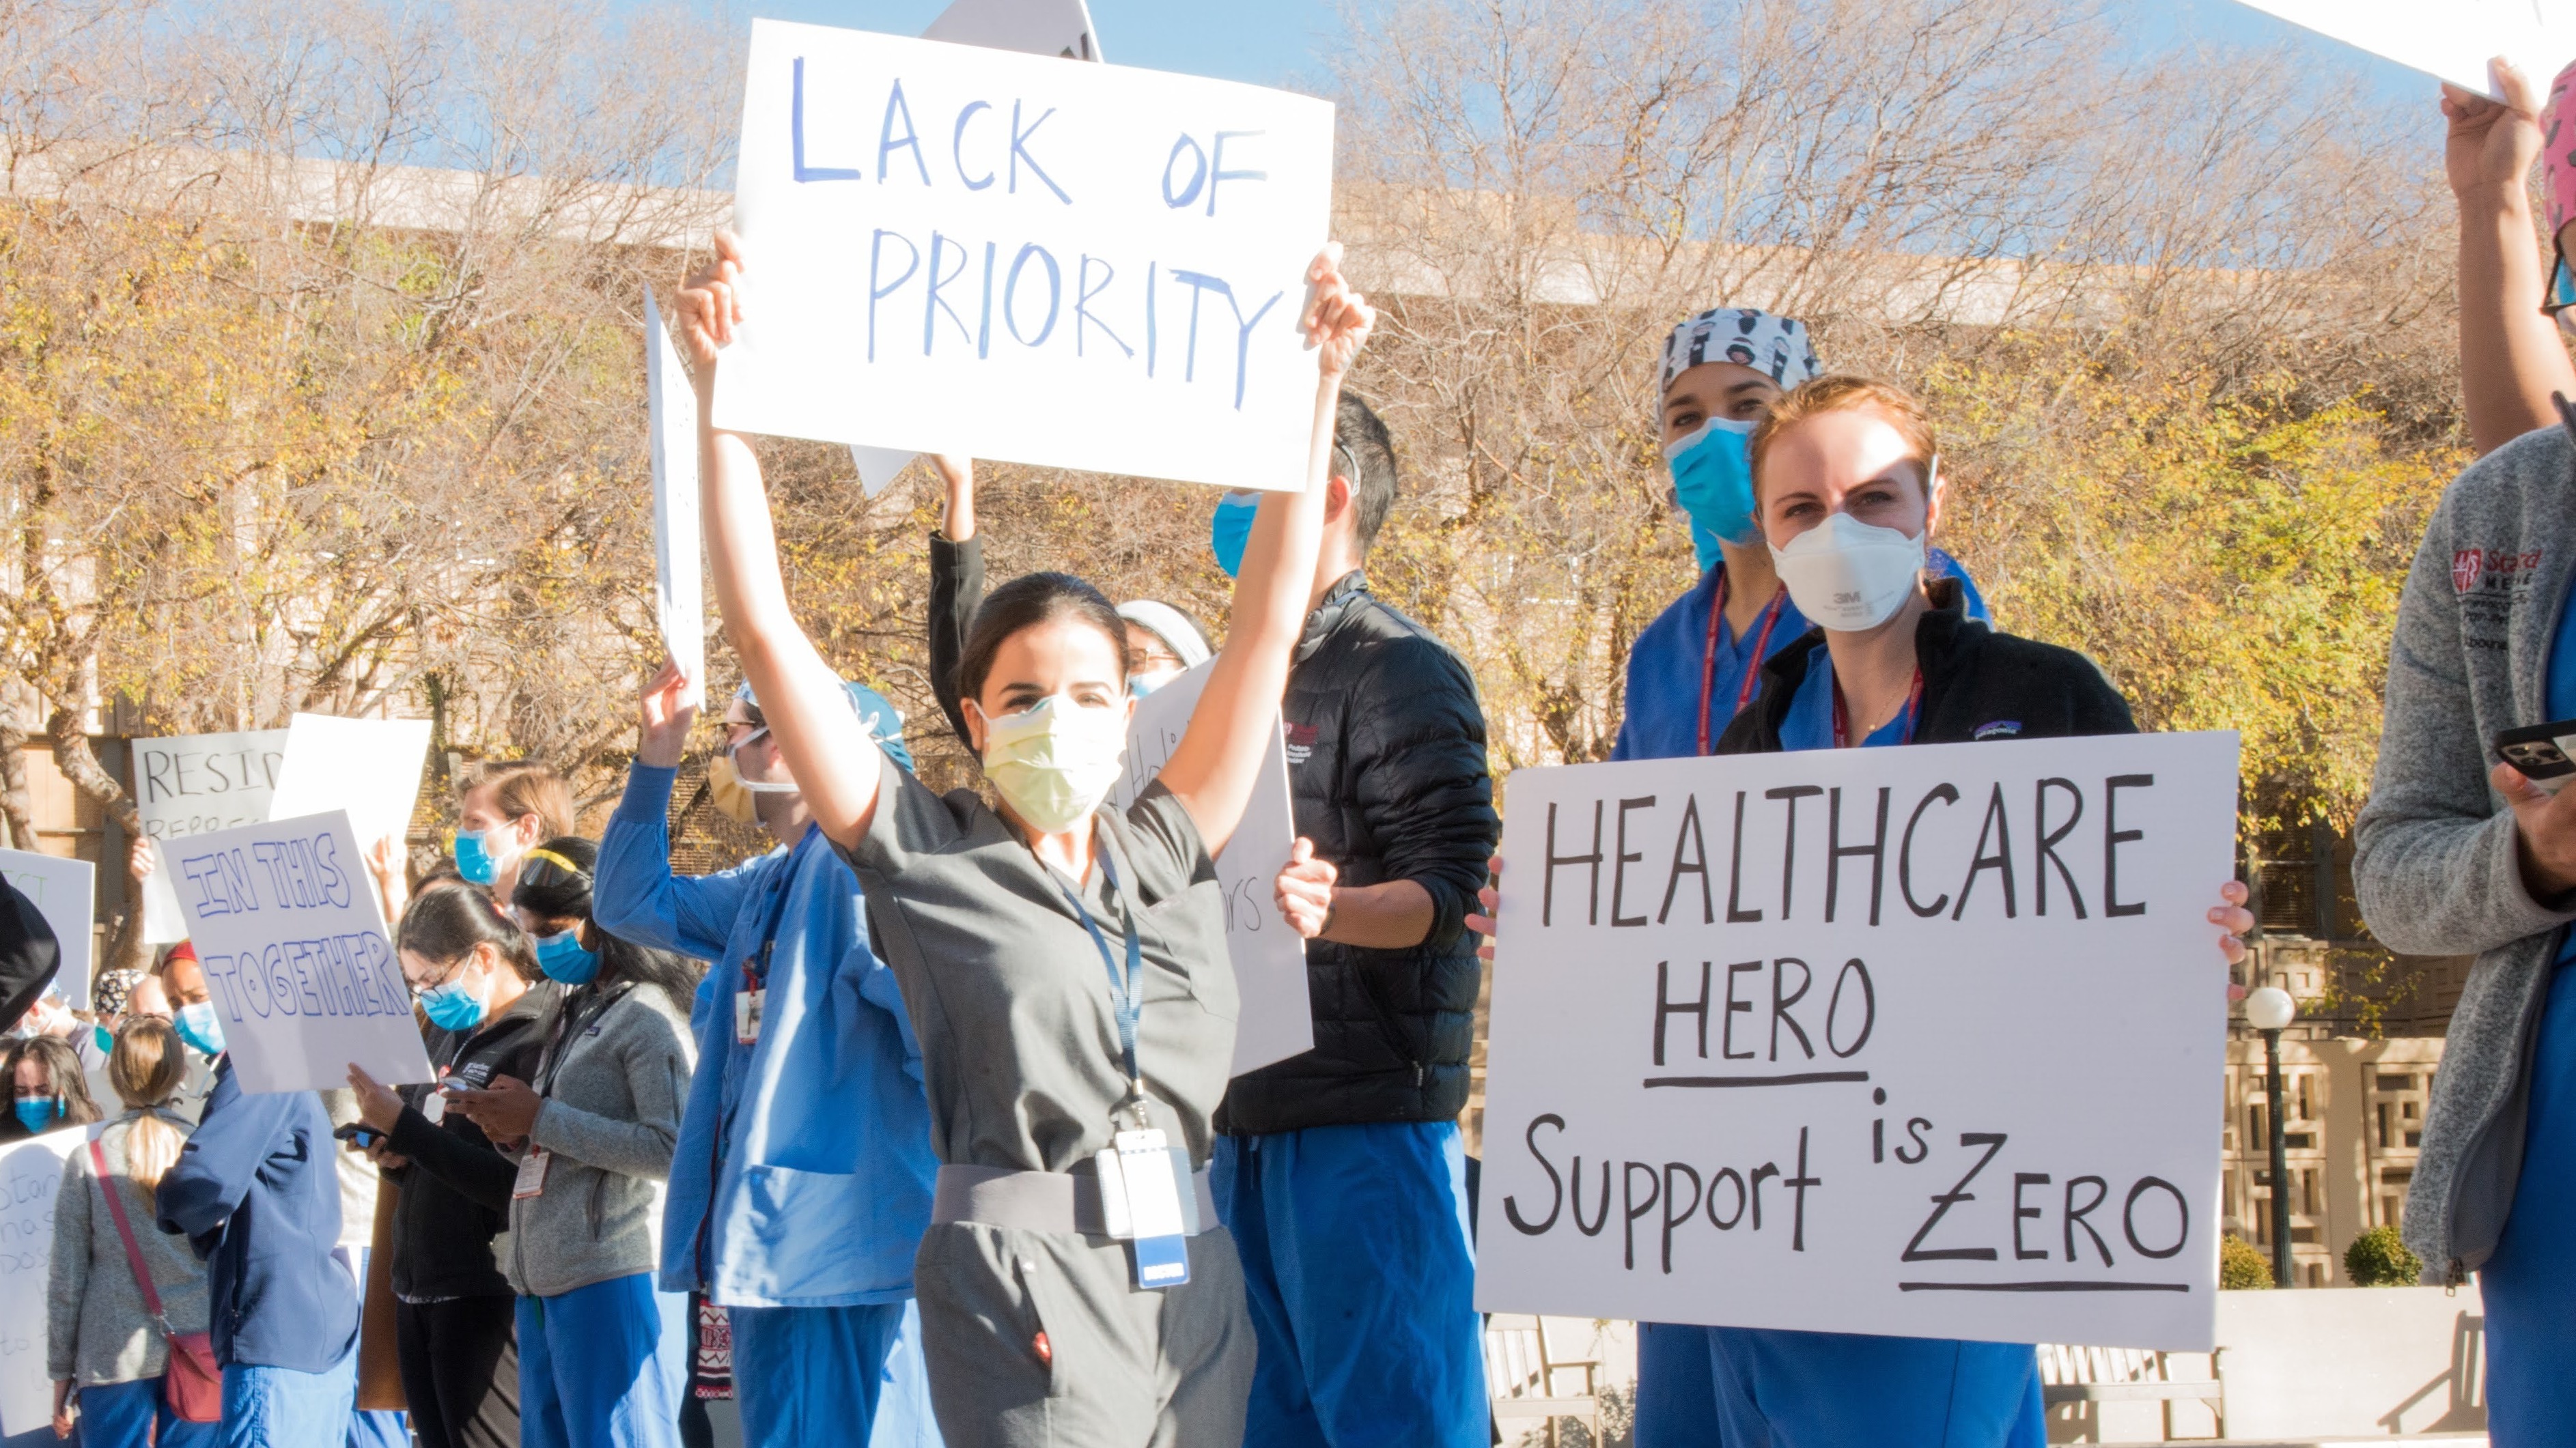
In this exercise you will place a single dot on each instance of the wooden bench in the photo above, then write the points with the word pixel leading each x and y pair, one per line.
pixel 2128 1375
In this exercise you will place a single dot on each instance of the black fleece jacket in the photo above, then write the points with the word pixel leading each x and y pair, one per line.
pixel 456 1192
pixel 1977 684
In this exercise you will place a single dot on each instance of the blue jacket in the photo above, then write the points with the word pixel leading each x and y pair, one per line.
pixel 257 1194
pixel 1666 663
pixel 803 1172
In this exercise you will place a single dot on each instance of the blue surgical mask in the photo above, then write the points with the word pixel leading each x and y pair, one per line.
pixel 36 1113
pixel 1139 685
pixel 1231 528
pixel 474 860
pixel 200 1027
pixel 1713 481
pixel 451 1007
pixel 564 958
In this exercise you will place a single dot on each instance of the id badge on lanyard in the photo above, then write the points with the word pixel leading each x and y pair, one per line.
pixel 748 1001
pixel 1140 1194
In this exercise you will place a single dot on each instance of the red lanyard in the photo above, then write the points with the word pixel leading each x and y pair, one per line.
pixel 1842 716
pixel 1752 665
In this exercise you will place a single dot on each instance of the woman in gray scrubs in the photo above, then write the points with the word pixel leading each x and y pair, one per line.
pixel 1064 963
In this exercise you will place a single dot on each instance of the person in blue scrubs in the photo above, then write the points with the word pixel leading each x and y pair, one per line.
pixel 1699 663
pixel 801 1184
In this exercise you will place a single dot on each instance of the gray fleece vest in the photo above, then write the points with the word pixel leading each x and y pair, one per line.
pixel 2435 864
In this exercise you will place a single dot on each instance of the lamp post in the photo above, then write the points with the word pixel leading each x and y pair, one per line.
pixel 2269 1010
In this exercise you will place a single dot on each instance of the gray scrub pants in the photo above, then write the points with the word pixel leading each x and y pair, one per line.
pixel 1123 1369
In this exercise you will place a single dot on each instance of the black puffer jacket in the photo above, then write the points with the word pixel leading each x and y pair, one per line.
pixel 1977 684
pixel 1386 767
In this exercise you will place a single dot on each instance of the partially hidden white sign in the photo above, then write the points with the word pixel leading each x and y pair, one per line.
pixel 286 925
pixel 679 597
pixel 369 768
pixel 1123 251
pixel 1276 1020
pixel 65 894
pixel 2453 40
pixel 193 783
pixel 31 1176
pixel 1926 1042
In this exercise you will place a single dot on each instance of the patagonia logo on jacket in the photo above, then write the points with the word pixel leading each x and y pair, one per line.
pixel 1997 729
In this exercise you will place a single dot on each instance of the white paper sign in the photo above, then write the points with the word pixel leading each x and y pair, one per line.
pixel 2453 40
pixel 31 1176
pixel 296 957
pixel 63 892
pixel 367 767
pixel 1121 252
pixel 1923 1041
pixel 1276 1021
pixel 679 599
pixel 190 784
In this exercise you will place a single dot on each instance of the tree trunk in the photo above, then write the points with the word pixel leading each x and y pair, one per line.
pixel 72 755
pixel 14 808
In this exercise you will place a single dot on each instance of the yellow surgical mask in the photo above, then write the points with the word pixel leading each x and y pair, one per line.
pixel 726 793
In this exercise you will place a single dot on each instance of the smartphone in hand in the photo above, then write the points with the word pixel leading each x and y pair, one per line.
pixel 358 1134
pixel 2542 752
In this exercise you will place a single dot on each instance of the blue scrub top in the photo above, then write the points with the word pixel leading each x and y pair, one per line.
pixel 803 1172
pixel 1809 723
pixel 1665 664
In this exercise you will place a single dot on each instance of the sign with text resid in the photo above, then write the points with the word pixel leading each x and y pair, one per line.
pixel 1275 1020
pixel 65 894
pixel 296 956
pixel 1923 1042
pixel 2452 41
pixel 1121 252
pixel 193 783
pixel 31 1176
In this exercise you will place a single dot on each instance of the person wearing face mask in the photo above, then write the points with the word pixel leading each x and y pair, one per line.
pixel 47 1088
pixel 502 811
pixel 1064 963
pixel 1848 494
pixel 801 1183
pixel 476 975
pixel 602 1356
pixel 1162 641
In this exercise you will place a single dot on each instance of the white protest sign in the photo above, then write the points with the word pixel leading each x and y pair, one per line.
pixel 293 943
pixel 1033 27
pixel 63 891
pixel 2452 41
pixel 1275 1021
pixel 367 767
pixel 189 785
pixel 1925 1042
pixel 679 598
pixel 31 1176
pixel 1122 252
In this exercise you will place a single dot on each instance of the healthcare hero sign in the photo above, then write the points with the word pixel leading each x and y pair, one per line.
pixel 287 927
pixel 1925 1042
pixel 951 248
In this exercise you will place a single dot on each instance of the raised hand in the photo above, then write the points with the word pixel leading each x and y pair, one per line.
pixel 1491 897
pixel 2491 143
pixel 710 308
pixel 1337 320
pixel 669 714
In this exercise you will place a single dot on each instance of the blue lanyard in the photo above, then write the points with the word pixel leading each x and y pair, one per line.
pixel 1127 994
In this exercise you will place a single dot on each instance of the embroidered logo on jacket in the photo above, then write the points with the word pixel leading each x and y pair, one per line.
pixel 2473 566
pixel 1301 741
pixel 1998 729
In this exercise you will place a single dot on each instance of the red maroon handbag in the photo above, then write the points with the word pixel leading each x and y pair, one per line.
pixel 190 1380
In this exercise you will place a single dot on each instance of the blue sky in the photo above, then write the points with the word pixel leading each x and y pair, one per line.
pixel 1267 42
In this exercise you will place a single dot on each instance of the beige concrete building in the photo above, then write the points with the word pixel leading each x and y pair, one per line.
pixel 2353 1118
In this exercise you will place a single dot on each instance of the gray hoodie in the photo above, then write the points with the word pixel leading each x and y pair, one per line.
pixel 2434 862
pixel 611 1115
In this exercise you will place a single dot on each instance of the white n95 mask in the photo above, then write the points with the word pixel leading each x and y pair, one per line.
pixel 1054 762
pixel 1847 575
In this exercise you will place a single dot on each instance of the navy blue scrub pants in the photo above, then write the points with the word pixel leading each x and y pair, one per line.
pixel 1361 1283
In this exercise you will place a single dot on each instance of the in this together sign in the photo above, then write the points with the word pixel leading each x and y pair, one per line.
pixel 950 248
pixel 1922 1041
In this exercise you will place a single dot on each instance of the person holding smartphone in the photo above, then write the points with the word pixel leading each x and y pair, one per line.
pixel 477 972
pixel 2459 851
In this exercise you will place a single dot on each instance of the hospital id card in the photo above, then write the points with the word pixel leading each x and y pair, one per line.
pixel 1152 1202
pixel 746 1016
pixel 532 1175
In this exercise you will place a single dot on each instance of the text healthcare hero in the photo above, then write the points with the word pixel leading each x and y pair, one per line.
pixel 294 946
pixel 1926 1042
pixel 1067 265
